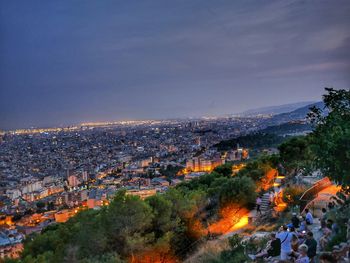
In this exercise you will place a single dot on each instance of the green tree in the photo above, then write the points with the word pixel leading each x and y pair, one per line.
pixel 188 206
pixel 90 236
pixel 254 169
pixel 51 243
pixel 170 171
pixel 126 222
pixel 224 169
pixel 239 190
pixel 295 154
pixel 331 138
pixel 254 141
pixel 164 225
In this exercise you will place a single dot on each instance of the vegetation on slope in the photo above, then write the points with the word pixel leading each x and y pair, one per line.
pixel 166 227
pixel 162 227
pixel 254 141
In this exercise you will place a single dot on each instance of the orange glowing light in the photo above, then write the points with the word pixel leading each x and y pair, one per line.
pixel 153 256
pixel 241 223
pixel 196 229
pixel 280 205
pixel 182 172
pixel 268 180
pixel 236 168
pixel 232 218
pixel 330 190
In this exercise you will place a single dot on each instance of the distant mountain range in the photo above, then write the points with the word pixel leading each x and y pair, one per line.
pixel 297 114
pixel 273 110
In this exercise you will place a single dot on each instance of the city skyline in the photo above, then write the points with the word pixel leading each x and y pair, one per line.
pixel 66 63
pixel 262 112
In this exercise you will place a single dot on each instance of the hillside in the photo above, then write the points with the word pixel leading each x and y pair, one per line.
pixel 298 114
pixel 288 128
pixel 254 141
pixel 276 109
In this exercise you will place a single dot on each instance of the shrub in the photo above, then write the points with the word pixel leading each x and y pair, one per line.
pixel 292 194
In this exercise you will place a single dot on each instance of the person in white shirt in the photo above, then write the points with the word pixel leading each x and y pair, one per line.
pixel 302 258
pixel 286 242
pixel 309 218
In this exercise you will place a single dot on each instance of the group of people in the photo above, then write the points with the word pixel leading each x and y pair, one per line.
pixel 295 241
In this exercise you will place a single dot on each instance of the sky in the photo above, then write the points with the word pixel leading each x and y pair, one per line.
pixel 65 62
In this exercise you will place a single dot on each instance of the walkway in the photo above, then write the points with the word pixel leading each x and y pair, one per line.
pixel 265 207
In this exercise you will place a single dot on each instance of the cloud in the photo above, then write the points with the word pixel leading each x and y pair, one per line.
pixel 113 59
pixel 327 39
pixel 305 69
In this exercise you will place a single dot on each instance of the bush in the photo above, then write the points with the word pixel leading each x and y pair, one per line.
pixel 233 255
pixel 238 190
pixel 292 194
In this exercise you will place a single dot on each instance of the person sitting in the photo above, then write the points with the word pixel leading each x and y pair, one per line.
pixel 303 226
pixel 311 244
pixel 295 239
pixel 302 256
pixel 273 248
pixel 340 252
pixel 325 237
pixel 309 218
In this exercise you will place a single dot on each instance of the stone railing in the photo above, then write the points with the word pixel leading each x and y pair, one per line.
pixel 312 192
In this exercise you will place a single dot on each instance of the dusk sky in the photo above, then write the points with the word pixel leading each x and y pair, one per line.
pixel 65 62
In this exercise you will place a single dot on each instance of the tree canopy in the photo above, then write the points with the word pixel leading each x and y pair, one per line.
pixel 296 153
pixel 330 140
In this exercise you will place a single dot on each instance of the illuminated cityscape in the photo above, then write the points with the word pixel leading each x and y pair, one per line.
pixel 174 131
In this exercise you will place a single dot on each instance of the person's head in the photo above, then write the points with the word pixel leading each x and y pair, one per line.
pixel 272 236
pixel 310 235
pixel 292 229
pixel 327 258
pixel 285 227
pixel 324 210
pixel 294 214
pixel 330 221
pixel 306 210
pixel 303 249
